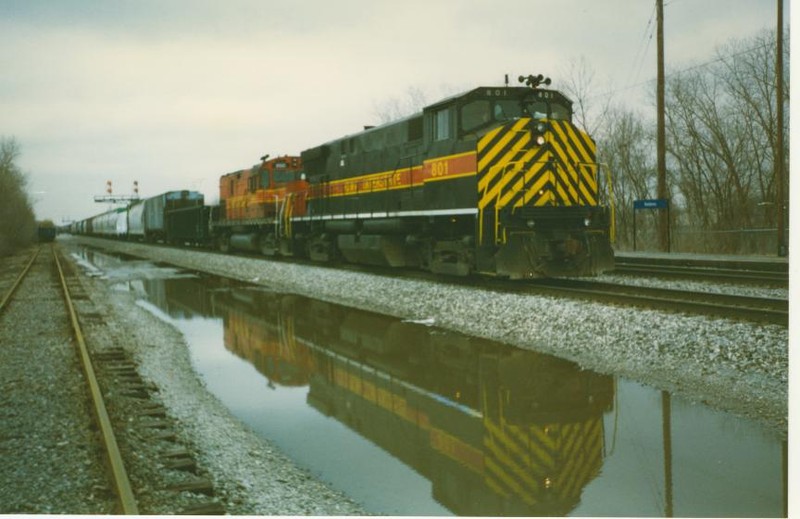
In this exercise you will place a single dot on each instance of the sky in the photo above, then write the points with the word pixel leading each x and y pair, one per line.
pixel 175 93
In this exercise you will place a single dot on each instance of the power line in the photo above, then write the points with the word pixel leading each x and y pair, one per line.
pixel 646 40
pixel 644 47
pixel 708 63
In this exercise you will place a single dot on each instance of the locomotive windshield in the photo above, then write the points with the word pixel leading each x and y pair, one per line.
pixel 541 105
pixel 546 109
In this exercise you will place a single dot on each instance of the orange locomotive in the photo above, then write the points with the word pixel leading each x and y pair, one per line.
pixel 257 206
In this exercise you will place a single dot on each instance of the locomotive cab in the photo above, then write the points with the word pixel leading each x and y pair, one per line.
pixel 535 185
pixel 483 109
pixel 258 205
pixel 539 199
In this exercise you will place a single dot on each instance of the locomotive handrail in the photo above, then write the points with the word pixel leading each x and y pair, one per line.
pixel 612 226
pixel 496 205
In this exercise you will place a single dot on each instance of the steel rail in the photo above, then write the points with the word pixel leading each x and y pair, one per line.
pixel 759 309
pixel 704 273
pixel 121 481
pixel 19 279
pixel 764 310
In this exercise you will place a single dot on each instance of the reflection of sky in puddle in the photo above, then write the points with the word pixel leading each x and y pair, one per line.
pixel 719 465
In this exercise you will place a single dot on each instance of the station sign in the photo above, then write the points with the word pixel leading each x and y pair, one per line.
pixel 651 203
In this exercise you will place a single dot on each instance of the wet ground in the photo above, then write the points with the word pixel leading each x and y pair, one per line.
pixel 412 420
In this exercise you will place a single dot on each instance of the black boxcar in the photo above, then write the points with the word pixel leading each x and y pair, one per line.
pixel 188 224
pixel 45 231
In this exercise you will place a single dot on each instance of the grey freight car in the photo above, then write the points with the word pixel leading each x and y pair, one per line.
pixel 149 220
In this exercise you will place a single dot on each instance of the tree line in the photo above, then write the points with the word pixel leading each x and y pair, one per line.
pixel 720 144
pixel 721 147
pixel 17 221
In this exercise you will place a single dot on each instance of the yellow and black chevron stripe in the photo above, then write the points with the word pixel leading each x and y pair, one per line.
pixel 528 461
pixel 574 156
pixel 513 170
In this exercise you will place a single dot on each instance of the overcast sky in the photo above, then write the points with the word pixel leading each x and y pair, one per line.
pixel 174 93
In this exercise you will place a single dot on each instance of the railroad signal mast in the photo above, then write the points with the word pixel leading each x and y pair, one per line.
pixel 111 198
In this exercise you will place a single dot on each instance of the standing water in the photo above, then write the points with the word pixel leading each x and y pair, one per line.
pixel 411 420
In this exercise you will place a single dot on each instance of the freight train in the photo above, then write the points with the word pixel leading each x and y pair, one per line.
pixel 497 180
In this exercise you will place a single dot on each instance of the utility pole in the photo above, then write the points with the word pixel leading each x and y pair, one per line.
pixel 779 133
pixel 663 216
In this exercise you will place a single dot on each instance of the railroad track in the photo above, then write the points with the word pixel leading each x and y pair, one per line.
pixel 740 273
pixel 15 284
pixel 118 473
pixel 746 308
pixel 757 309
pixel 154 452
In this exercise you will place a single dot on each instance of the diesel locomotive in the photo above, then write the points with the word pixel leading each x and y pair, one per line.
pixel 497 180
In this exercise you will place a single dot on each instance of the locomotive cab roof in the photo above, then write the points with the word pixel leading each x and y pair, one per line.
pixel 507 102
pixel 503 92
pixel 519 94
pixel 468 114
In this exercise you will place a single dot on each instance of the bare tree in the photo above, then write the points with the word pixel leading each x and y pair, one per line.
pixel 721 139
pixel 396 108
pixel 17 224
pixel 626 147
pixel 579 84
pixel 747 69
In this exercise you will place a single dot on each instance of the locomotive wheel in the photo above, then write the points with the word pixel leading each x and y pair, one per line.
pixel 224 243
pixel 321 248
pixel 268 245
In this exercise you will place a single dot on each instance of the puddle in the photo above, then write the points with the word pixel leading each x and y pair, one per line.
pixel 410 420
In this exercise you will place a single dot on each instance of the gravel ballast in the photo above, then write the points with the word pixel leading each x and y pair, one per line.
pixel 735 366
pixel 51 461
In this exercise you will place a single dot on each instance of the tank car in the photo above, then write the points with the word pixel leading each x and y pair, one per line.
pixel 110 224
pixel 496 180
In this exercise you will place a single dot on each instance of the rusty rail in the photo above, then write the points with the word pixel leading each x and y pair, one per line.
pixel 7 297
pixel 122 483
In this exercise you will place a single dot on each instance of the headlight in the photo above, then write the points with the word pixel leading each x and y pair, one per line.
pixel 540 140
pixel 587 222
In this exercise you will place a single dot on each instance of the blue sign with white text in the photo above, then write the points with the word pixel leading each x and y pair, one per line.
pixel 652 203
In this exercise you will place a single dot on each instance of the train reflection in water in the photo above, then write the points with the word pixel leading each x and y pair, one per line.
pixel 496 430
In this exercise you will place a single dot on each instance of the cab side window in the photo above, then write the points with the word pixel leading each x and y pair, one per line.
pixel 475 114
pixel 441 125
